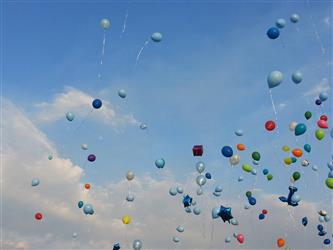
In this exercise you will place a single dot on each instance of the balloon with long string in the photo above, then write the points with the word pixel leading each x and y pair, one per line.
pixel 105 23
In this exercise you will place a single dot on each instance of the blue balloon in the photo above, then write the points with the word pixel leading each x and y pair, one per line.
pixel 293 159
pixel 261 216
pixel 122 93
pixel 116 246
pixel 254 171
pixel 252 201
pixel 273 33
pixel 160 163
pixel 314 168
pixel 274 79
pixel 227 239
pixel 80 204
pixel 294 18
pixel 218 189
pixel 321 218
pixel 34 182
pixel 280 23
pixel 173 191
pixel 130 197
pixel 234 222
pixel 156 37
pixel 320 227
pixel 227 151
pixel 330 165
pixel 297 77
pixel 331 133
pixel 318 102
pixel 180 190
pixel 295 198
pixel 215 212
pixel 323 96
pixel 327 241
pixel 208 176
pixel 97 103
pixel 307 148
pixel 240 178
pixel 175 239
pixel 304 221
pixel 180 229
pixel 255 162
pixel 196 211
pixel 70 116
pixel 88 209
pixel 265 171
pixel 300 129
pixel 322 233
pixel 239 132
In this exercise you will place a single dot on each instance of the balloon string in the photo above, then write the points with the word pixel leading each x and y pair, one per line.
pixel 102 54
pixel 140 52
pixel 124 25
pixel 275 112
pixel 83 120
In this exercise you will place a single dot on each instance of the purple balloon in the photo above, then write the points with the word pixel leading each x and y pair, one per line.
pixel 91 158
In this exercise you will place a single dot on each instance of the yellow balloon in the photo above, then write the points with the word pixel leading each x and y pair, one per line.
pixel 126 219
pixel 285 148
pixel 288 160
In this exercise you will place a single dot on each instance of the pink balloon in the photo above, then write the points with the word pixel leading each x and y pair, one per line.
pixel 240 238
pixel 322 124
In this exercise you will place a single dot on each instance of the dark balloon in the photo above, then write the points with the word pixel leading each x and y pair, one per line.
pixel 261 216
pixel 80 204
pixel 318 102
pixel 208 176
pixel 305 221
pixel 270 125
pixel 91 158
pixel 265 171
pixel 327 241
pixel 227 151
pixel 273 33
pixel 97 103
pixel 225 213
pixel 308 115
pixel 320 227
pixel 252 201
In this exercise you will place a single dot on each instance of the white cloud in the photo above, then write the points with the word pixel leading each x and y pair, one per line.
pixel 155 213
pixel 79 103
pixel 322 86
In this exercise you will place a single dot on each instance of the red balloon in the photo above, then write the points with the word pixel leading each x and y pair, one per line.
pixel 322 124
pixel 323 117
pixel 270 125
pixel 264 211
pixel 38 216
pixel 240 238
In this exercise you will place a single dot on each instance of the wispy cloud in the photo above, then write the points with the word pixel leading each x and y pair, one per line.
pixel 322 86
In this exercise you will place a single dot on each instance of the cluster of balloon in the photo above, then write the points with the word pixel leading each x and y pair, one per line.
pixel 251 199
pixel 268 175
pixel 280 242
pixel 126 219
pixel 176 190
pixel 88 209
pixel 70 116
pixel 323 216
pixel 223 212
pixel 34 182
pixel 159 163
pixel 292 199
pixel 38 216
pixel 130 176
pixel 137 244
pixel 263 214
pixel 122 93
pixel 323 96
pixel 329 179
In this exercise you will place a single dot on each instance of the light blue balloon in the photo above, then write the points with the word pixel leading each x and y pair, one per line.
pixel 239 132
pixel 201 180
pixel 199 191
pixel 227 240
pixel 280 23
pixel 294 18
pixel 327 218
pixel 180 190
pixel 88 209
pixel 173 191
pixel 143 126
pixel 70 116
pixel 307 148
pixel 175 239
pixel 321 218
pixel 297 77
pixel 240 178
pixel 234 222
pixel 188 210
pixel 197 211
pixel 254 171
pixel 215 212
pixel 330 174
pixel 218 189
pixel 274 79
pixel 314 168
pixel 34 182
pixel 180 229
pixel 323 96
pixel 295 198
pixel 330 165
pixel 130 197
pixel 122 93
pixel 255 162
pixel 200 166
pixel 246 206
pixel 156 37
pixel 217 194
pixel 159 163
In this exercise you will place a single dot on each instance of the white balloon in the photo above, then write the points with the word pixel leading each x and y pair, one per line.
pixel 234 160
pixel 105 23
pixel 130 175
pixel 292 126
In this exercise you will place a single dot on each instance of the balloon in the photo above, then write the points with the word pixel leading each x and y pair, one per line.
pixel 307 148
pixel 305 163
pixel 173 191
pixel 321 218
pixel 116 246
pixel 208 176
pixel 297 77
pixel 322 124
pixel 126 219
pixel 97 103
pixel 246 206
pixel 327 242
pixel 270 125
pixel 180 190
pixel 239 132
pixel 255 162
pixel 265 171
pixel 330 165
pixel 234 160
pixel 308 115
pixel 91 158
pixel 304 221
pixel 105 23
pixel 327 218
pixel 175 239
pixel 130 175
pixel 275 78
pixel 280 23
pixel 269 177
pixel 280 242
pixel 248 194
pixel 247 168
pixel 34 182
pixel 253 171
pixel 88 209
pixel 293 159
pixel 74 235
pixel 84 146
pixel 323 117
pixel 285 148
pixel 218 189
pixel 38 216
pixel 130 197
pixel 261 216
pixel 273 33
pixel 70 116
pixel 297 152
pixel 160 163
pixel 137 244
pixel 330 174
pixel 252 201
pixel 318 102
pixel 240 178
pixel 292 126
pixel 196 211
pixel 329 183
pixel 50 157
pixel 314 168
pixel 322 233
pixel 331 133
pixel 227 151
pixel 320 227
pixel 122 93
pixel 200 166
pixel 323 96
pixel 320 134
pixel 234 222
pixel 180 229
pixel 295 198
pixel 80 204
pixel 294 18
pixel 264 211
pixel 227 239
pixel 296 175
pixel 215 212
pixel 256 156
pixel 201 180
pixel 240 147
pixel 87 186
pixel 143 126
pixel 240 238
pixel 322 213
pixel 300 129
pixel 156 37
pixel 225 213
pixel 188 210
pixel 199 191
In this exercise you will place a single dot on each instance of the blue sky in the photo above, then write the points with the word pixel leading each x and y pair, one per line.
pixel 206 79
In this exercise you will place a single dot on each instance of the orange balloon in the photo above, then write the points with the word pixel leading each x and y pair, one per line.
pixel 297 152
pixel 240 147
pixel 87 186
pixel 280 242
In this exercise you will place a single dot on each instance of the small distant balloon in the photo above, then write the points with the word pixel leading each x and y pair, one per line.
pixel 137 244
pixel 297 77
pixel 273 33
pixel 84 146
pixel 201 180
pixel 280 23
pixel 308 115
pixel 105 23
pixel 173 191
pixel 270 125
pixel 307 148
pixel 176 239
pixel 70 116
pixel 143 126
pixel 196 211
pixel 274 79
pixel 280 242
pixel 38 216
pixel 126 219
pixel 88 209
pixel 80 204
pixel 91 158
pixel 239 132
pixel 97 103
pixel 200 166
pixel 218 189
pixel 294 18
pixel 156 37
pixel 130 175
pixel 227 151
pixel 323 96
pixel 180 229
pixel 318 102
pixel 122 93
pixel 130 197
pixel 320 134
pixel 300 129
pixel 240 238
pixel 234 160
pixel 35 182
pixel 50 157
pixel 227 240
pixel 292 126
pixel 180 190
pixel 159 163
pixel 87 186
pixel 208 176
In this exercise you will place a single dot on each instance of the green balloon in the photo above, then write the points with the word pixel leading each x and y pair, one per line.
pixel 269 177
pixel 248 194
pixel 256 156
pixel 296 175
pixel 50 157
pixel 246 167
pixel 320 134
pixel 300 129
pixel 329 183
pixel 308 115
